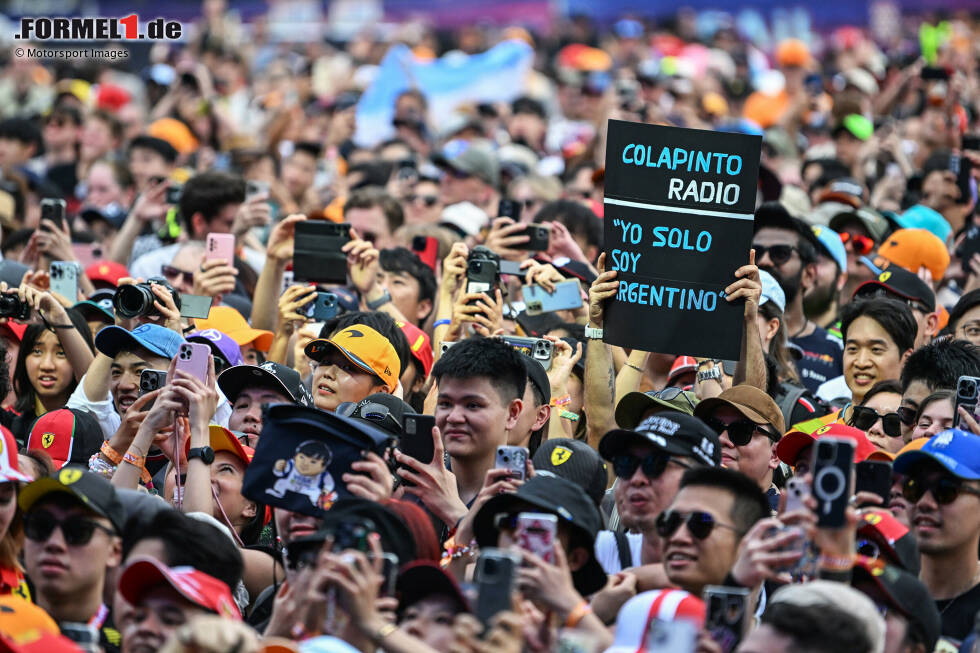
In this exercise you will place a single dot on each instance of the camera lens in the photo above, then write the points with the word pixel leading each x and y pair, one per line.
pixel 133 301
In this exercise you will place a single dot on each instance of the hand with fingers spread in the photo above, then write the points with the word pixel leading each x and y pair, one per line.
pixel 603 288
pixel 253 212
pixel 496 481
pixel 362 263
pixel 54 241
pixel 766 551
pixel 293 304
pixel 542 274
pixel 434 485
pixel 215 278
pixel 748 287
pixel 503 241
pixel 369 478
pixel 548 586
pixel 282 238
pixel 479 309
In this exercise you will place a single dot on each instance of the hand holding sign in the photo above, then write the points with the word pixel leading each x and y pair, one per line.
pixel 748 287
pixel 603 289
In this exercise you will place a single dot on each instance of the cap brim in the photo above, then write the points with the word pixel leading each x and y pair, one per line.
pixel 881 456
pixel 141 575
pixel 114 339
pixel 11 476
pixel 618 440
pixel 42 487
pixel 223 439
pixel 89 308
pixel 353 358
pixel 790 445
pixel 260 339
pixel 707 406
pixel 421 579
pixel 903 464
pixel 631 408
pixel 234 379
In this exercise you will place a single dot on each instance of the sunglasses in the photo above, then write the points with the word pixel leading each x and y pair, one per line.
pixel 944 489
pixel 863 417
pixel 907 415
pixel 77 530
pixel 862 245
pixel 625 465
pixel 669 394
pixel 740 431
pixel 778 254
pixel 173 274
pixel 699 524
pixel 428 200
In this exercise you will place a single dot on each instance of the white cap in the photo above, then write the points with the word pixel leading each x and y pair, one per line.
pixel 636 615
pixel 771 291
pixel 825 593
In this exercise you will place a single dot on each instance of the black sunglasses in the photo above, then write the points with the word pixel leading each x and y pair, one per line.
pixel 907 415
pixel 864 417
pixel 625 465
pixel 669 394
pixel 699 523
pixel 740 431
pixel 778 254
pixel 77 530
pixel 944 489
pixel 381 414
pixel 428 200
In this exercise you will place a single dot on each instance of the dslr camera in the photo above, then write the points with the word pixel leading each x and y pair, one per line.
pixel 12 307
pixel 137 300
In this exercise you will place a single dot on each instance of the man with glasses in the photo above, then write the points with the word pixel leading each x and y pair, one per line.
pixel 749 424
pixel 942 486
pixel 786 248
pixel 72 522
pixel 250 387
pixel 648 462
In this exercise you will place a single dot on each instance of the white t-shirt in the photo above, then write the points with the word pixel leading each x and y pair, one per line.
pixel 607 553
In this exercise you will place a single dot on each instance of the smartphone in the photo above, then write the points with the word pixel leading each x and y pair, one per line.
pixel 151 380
pixel 482 275
pixel 876 477
pixel 833 464
pixel 323 307
pixel 539 349
pixel 255 188
pixel 512 458
pixel 797 545
pixel 64 279
pixel 220 246
pixel 494 577
pixel 961 167
pixel 968 247
pixel 287 280
pixel 509 209
pixel 53 210
pixel 173 193
pixel 389 571
pixel 935 73
pixel 971 142
pixel 680 636
pixel 444 346
pixel 317 256
pixel 797 490
pixel 967 391
pixel 536 533
pixel 727 611
pixel 539 236
pixel 567 296
pixel 416 439
pixel 192 357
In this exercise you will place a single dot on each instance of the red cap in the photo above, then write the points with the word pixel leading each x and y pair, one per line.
pixel 16 329
pixel 111 97
pixel 681 365
pixel 419 343
pixel 792 443
pixel 66 435
pixel 39 642
pixel 222 439
pixel 197 587
pixel 107 271
pixel 9 466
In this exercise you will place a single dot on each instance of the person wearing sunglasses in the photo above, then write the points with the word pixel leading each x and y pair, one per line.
pixel 423 205
pixel 878 417
pixel 648 462
pixel 786 248
pixel 72 523
pixel 898 283
pixel 942 486
pixel 701 531
pixel 861 230
pixel 472 174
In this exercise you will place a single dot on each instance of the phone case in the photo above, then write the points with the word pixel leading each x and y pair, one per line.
pixel 537 300
pixel 875 477
pixel 495 569
pixel 727 612
pixel 54 210
pixel 317 256
pixel 797 490
pixel 512 458
pixel 64 279
pixel 508 208
pixel 539 349
pixel 192 357
pixel 833 460
pixel 151 380
pixel 536 533
pixel 967 396
pixel 324 306
pixel 540 238
pixel 220 246
pixel 416 441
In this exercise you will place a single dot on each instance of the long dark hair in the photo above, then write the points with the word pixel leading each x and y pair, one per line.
pixel 24 389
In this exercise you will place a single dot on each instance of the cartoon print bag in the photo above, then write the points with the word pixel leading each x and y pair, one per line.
pixel 302 455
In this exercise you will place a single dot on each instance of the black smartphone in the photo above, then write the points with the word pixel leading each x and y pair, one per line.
pixel 151 380
pixel 53 210
pixel 416 439
pixel 874 476
pixel 967 396
pixel 935 73
pixel 316 255
pixel 961 167
pixel 539 237
pixel 727 610
pixel 833 462
pixel 968 247
pixel 482 275
pixel 509 209
pixel 495 571
pixel 971 142
pixel 173 193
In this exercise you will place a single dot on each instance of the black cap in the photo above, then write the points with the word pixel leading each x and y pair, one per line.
pixel 526 104
pixel 381 410
pixel 537 376
pixel 676 433
pixel 573 460
pixel 775 216
pixel 901 591
pixel 556 496
pixel 900 283
pixel 93 491
pixel 423 578
pixel 267 375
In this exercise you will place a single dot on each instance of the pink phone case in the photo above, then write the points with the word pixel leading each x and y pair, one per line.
pixel 192 357
pixel 536 533
pixel 220 246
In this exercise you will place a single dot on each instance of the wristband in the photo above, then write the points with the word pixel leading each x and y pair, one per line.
pixel 382 633
pixel 577 614
pixel 114 456
pixel 592 333
pixel 100 467
pixel 569 415
pixel 560 401
pixel 836 563
pixel 379 302
pixel 442 322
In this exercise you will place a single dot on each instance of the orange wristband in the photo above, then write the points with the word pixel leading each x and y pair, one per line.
pixel 114 456
pixel 577 614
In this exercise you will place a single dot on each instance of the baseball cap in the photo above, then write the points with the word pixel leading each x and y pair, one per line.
pixel 9 465
pixel 68 435
pixel 915 248
pixel 96 310
pixel 538 378
pixel 875 223
pixel 675 433
pixel 901 591
pixel 93 491
pixel 267 375
pixel 857 126
pixel 227 320
pixel 419 344
pixel 790 445
pixel 923 217
pixel 476 158
pixel 631 407
pixel 899 282
pixel 464 218
pixel 201 589
pixel 423 578
pixel 154 338
pixel 380 410
pixel 557 496
pixel 223 439
pixel 575 461
pixel 792 52
pixel 826 593
pixel 772 291
pixel 636 616
pixel 114 213
pixel 20 618
pixel 955 450
pixel 844 190
pixel 831 244
pixel 747 400
pixel 16 329
pixel 895 542
pixel 364 347
pixel 109 272
pixel 681 365
pixel 221 345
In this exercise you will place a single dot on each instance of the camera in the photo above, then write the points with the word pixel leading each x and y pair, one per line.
pixel 137 300
pixel 482 270
pixel 12 307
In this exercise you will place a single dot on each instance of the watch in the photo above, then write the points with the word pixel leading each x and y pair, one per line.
pixel 379 302
pixel 713 373
pixel 592 333
pixel 206 454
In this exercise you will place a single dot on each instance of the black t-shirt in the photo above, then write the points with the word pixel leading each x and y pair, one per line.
pixel 822 358
pixel 958 614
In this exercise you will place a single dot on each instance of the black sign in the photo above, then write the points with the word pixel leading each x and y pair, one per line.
pixel 678 222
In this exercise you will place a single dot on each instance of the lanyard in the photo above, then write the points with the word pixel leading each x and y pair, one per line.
pixel 99 618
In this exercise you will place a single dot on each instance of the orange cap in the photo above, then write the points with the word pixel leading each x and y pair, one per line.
pixel 792 52
pixel 222 439
pixel 364 347
pixel 231 323
pixel 174 132
pixel 22 620
pixel 915 248
pixel 578 56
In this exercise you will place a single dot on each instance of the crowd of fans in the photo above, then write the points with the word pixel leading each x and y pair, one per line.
pixel 377 464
